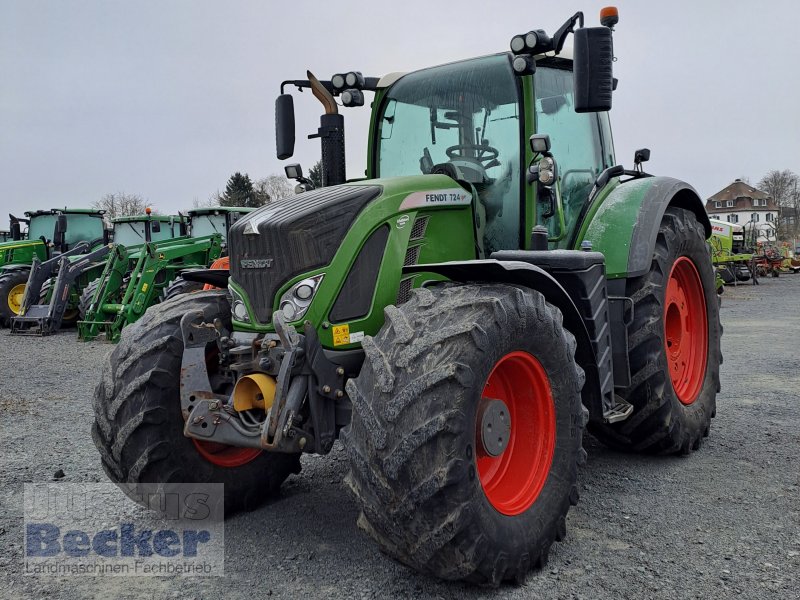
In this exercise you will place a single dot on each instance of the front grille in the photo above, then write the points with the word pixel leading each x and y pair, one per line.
pixel 291 236
pixel 355 297
pixel 404 293
pixel 418 230
pixel 412 256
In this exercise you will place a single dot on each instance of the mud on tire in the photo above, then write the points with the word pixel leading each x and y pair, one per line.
pixel 412 440
pixel 661 423
pixel 138 427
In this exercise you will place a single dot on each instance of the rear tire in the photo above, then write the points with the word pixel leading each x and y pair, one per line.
pixel 673 404
pixel 138 426
pixel 10 295
pixel 430 495
pixel 180 286
pixel 86 298
pixel 71 315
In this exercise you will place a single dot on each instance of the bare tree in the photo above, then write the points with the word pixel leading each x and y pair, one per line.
pixel 272 187
pixel 213 200
pixel 784 188
pixel 121 205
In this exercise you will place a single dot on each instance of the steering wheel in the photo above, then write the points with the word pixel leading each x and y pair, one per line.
pixel 483 154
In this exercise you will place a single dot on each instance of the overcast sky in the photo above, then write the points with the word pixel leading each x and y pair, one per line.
pixel 167 99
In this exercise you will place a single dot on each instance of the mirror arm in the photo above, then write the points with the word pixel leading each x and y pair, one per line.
pixel 569 27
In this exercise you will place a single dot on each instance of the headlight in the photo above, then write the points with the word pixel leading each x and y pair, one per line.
pixel 238 307
pixel 547 170
pixel 295 301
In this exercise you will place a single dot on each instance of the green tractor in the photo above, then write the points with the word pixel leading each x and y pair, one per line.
pixel 55 287
pixel 136 278
pixel 456 319
pixel 50 234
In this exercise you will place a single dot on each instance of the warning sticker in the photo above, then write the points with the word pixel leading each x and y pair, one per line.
pixel 356 336
pixel 341 335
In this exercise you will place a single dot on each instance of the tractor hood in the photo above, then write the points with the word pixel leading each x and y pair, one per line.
pixel 290 236
pixel 325 230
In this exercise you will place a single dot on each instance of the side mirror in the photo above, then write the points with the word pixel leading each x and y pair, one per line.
pixel 593 55
pixel 284 126
pixel 16 230
pixel 106 236
pixel 156 226
pixel 59 237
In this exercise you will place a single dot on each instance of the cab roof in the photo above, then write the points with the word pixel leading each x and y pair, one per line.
pixel 141 218
pixel 211 210
pixel 65 211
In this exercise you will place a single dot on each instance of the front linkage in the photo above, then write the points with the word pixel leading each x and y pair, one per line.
pixel 300 369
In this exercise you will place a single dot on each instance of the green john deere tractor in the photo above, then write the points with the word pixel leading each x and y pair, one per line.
pixel 496 283
pixel 56 286
pixel 136 278
pixel 51 233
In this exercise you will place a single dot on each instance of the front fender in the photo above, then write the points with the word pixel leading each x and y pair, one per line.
pixel 531 276
pixel 625 225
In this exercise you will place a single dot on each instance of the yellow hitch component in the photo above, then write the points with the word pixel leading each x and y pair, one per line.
pixel 254 391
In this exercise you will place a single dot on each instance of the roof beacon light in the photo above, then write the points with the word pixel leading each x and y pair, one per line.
pixel 609 16
pixel 147 211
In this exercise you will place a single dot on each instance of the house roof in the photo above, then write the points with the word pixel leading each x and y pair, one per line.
pixel 738 189
pixel 742 195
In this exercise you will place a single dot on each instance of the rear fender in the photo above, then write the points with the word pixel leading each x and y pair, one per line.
pixel 625 225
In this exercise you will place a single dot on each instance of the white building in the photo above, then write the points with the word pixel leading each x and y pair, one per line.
pixel 742 204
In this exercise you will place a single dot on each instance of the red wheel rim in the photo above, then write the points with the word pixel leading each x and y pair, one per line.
pixel 685 330
pixel 223 455
pixel 514 479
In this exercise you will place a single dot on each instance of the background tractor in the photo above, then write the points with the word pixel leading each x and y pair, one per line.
pixel 55 287
pixel 456 319
pixel 732 261
pixel 50 234
pixel 135 279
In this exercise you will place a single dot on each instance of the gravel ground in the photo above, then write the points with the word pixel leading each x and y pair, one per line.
pixel 723 522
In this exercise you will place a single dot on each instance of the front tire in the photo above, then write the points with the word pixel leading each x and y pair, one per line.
pixel 674 346
pixel 437 491
pixel 12 288
pixel 138 426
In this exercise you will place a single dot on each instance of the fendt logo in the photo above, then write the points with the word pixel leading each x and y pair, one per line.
pixel 256 263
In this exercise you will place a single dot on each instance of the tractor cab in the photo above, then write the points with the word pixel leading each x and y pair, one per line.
pixel 207 221
pixel 61 229
pixel 138 229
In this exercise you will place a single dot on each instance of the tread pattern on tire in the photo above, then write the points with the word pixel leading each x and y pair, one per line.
pixel 138 424
pixel 423 511
pixel 660 424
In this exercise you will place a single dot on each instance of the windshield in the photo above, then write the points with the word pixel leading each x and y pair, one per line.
pixel 83 228
pixel 129 234
pixel 207 225
pixel 462 120
pixel 42 226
